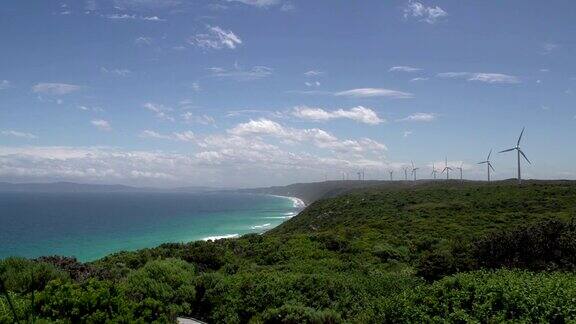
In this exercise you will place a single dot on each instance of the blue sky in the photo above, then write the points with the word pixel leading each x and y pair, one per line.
pixel 267 92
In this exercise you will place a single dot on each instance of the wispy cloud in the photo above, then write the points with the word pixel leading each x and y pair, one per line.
pixel 419 117
pixel 548 48
pixel 374 92
pixel 101 124
pixel 117 72
pixel 419 79
pixel 481 77
pixel 406 134
pixel 404 68
pixel 5 84
pixel 14 133
pixel 313 73
pixel 419 11
pixel 215 38
pixel 258 3
pixel 241 74
pixel 143 41
pixel 312 84
pixel 190 118
pixel 359 114
pixel 121 17
pixel 160 111
pixel 55 88
pixel 186 136
pixel 91 108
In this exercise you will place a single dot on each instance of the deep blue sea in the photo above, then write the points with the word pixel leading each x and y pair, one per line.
pixel 91 225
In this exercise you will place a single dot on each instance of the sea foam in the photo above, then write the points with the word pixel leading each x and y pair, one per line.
pixel 260 226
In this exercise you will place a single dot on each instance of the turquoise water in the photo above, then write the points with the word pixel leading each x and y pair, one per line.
pixel 91 225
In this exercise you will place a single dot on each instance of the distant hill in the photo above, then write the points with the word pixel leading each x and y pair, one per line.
pixel 65 187
pixel 311 192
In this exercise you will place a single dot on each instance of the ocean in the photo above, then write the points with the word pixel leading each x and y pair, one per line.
pixel 89 226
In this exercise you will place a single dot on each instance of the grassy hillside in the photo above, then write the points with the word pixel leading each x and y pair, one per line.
pixel 380 253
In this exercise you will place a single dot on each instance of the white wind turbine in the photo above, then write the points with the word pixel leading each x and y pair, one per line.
pixel 391 172
pixel 447 169
pixel 460 169
pixel 434 171
pixel 414 170
pixel 406 173
pixel 488 164
pixel 519 152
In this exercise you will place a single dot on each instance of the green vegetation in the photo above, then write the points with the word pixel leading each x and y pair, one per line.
pixel 428 253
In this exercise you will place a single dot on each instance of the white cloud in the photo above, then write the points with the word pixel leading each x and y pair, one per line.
pixel 374 92
pixel 241 74
pixel 318 137
pixel 143 41
pixel 91 108
pixel 419 79
pixel 313 73
pixel 215 38
pixel 14 133
pixel 406 134
pixel 5 84
pixel 403 68
pixel 419 11
pixel 312 84
pixel 420 117
pixel 101 124
pixel 55 88
pixel 160 111
pixel 359 114
pixel 258 3
pixel 481 77
pixel 117 72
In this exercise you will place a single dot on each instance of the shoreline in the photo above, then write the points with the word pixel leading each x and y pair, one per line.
pixel 296 203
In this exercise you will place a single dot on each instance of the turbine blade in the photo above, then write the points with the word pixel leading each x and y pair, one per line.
pixel 488 158
pixel 508 150
pixel 482 162
pixel 520 138
pixel 491 167
pixel 524 155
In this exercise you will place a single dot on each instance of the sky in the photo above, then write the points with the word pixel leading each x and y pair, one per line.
pixel 244 93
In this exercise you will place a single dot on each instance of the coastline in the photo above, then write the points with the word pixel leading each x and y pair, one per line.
pixel 296 203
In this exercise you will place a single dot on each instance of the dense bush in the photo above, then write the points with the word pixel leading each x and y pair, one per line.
pixel 549 245
pixel 293 314
pixel 161 289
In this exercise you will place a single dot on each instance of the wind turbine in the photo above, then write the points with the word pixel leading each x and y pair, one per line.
pixel 519 152
pixel 391 172
pixel 406 173
pixel 488 164
pixel 460 168
pixel 359 175
pixel 434 171
pixel 447 169
pixel 414 170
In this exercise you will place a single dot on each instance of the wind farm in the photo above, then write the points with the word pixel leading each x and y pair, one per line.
pixel 410 170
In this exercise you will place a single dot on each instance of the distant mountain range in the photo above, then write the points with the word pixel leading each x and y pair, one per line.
pixel 65 187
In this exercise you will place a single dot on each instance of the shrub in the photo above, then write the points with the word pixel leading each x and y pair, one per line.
pixel 296 314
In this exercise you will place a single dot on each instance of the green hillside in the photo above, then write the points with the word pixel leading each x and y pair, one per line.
pixel 384 252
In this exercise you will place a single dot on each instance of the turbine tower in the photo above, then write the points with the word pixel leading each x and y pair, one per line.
pixel 447 169
pixel 414 170
pixel 460 169
pixel 519 152
pixel 434 171
pixel 488 164
pixel 391 172
pixel 405 173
